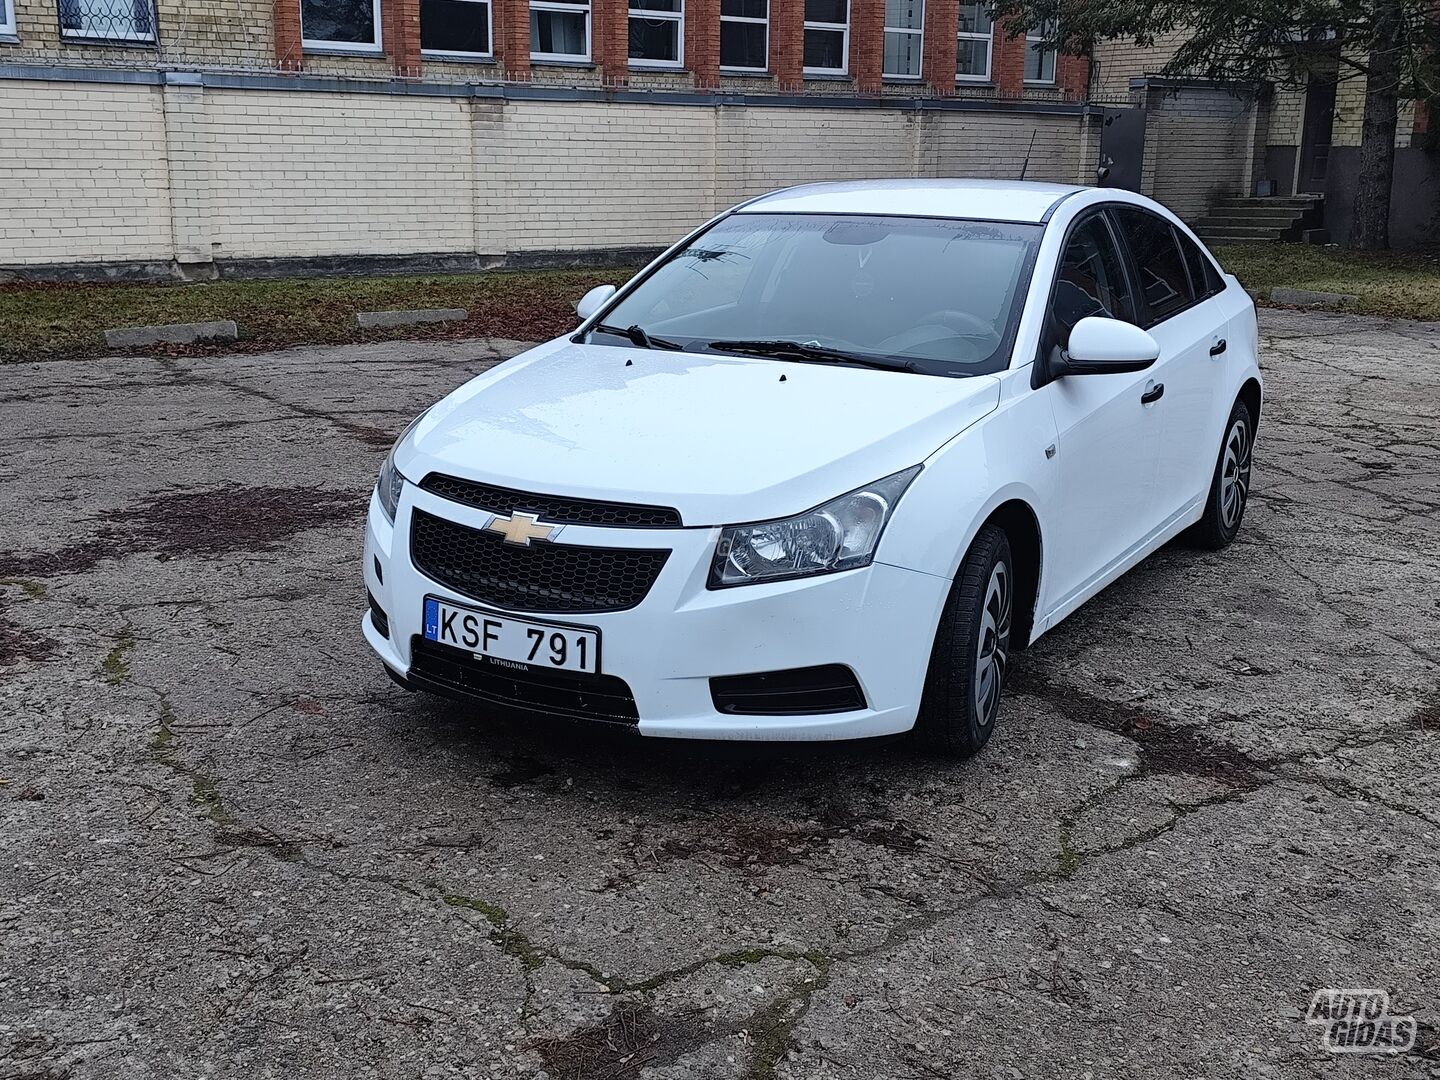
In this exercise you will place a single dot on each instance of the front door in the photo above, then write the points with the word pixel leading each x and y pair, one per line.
pixel 1107 439
pixel 1315 141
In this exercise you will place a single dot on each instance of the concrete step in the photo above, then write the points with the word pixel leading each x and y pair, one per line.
pixel 1248 232
pixel 1296 203
pixel 1222 218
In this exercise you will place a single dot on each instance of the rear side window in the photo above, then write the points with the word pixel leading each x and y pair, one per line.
pixel 1163 279
pixel 1203 276
pixel 1091 280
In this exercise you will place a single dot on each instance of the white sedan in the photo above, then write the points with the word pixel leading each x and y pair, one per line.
pixel 822 467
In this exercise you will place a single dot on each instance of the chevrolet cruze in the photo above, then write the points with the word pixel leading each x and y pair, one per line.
pixel 822 467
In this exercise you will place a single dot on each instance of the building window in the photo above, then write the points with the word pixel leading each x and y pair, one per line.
pixel 347 25
pixel 1039 57
pixel 560 30
pixel 657 32
pixel 7 17
pixel 101 20
pixel 744 35
pixel 827 37
pixel 459 28
pixel 904 37
pixel 976 43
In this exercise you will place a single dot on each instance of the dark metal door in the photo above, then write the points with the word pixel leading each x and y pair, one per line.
pixel 1122 149
pixel 1319 129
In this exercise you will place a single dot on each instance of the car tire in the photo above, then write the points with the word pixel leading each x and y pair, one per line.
pixel 1230 484
pixel 970 659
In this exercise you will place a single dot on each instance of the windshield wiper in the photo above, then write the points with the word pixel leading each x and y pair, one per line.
pixel 638 337
pixel 797 350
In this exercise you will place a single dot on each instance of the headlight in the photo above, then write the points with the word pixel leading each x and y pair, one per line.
pixel 839 535
pixel 390 484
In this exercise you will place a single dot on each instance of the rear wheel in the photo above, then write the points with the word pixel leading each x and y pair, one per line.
pixel 1230 485
pixel 971 656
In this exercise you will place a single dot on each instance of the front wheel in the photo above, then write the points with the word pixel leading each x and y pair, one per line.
pixel 971 656
pixel 1230 484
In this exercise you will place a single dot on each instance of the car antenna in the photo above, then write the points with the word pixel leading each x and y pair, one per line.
pixel 629 363
pixel 1026 167
pixel 782 378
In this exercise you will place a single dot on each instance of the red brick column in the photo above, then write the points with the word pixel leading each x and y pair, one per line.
pixel 702 42
pixel 867 44
pixel 787 43
pixel 942 23
pixel 1008 64
pixel 400 25
pixel 1072 75
pixel 510 37
pixel 289 54
pixel 610 40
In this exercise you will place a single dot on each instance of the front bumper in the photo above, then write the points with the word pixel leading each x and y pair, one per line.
pixel 879 621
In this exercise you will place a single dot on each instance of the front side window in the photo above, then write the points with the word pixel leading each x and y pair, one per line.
pixel 559 29
pixel 940 294
pixel 1163 280
pixel 455 27
pixel 657 32
pixel 99 20
pixel 827 37
pixel 1091 280
pixel 745 35
pixel 1040 57
pixel 975 43
pixel 904 37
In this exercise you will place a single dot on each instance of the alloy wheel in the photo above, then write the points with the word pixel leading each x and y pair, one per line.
pixel 1235 474
pixel 993 652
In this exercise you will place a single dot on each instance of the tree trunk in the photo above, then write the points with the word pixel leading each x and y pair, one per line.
pixel 1371 228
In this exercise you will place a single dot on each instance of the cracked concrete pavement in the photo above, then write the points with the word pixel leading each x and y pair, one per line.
pixel 232 848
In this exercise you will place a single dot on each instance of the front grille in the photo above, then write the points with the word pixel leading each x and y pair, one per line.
pixel 829 688
pixel 537 577
pixel 558 693
pixel 553 508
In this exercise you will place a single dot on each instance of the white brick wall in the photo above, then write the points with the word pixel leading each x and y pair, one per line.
pixel 109 172
pixel 82 174
pixel 1196 148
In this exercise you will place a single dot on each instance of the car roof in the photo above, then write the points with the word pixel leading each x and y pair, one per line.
pixel 986 200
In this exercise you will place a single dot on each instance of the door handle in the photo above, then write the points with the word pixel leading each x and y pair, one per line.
pixel 1218 347
pixel 1155 393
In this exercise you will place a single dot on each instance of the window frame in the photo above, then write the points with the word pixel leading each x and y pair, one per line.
pixel 8 20
pixel 918 32
pixel 365 48
pixel 88 37
pixel 970 35
pixel 1133 265
pixel 844 30
pixel 677 17
pixel 1031 38
pixel 459 54
pixel 587 8
pixel 749 20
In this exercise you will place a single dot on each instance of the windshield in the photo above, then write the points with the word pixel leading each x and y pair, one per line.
pixel 940 294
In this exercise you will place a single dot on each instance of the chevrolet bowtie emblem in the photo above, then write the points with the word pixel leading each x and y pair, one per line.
pixel 521 528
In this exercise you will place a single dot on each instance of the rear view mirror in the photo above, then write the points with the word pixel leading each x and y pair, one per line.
pixel 593 301
pixel 1100 346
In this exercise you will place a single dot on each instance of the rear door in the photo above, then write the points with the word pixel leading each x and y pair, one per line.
pixel 1185 319
pixel 1107 439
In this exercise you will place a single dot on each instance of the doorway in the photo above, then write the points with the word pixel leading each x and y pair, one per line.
pixel 1316 134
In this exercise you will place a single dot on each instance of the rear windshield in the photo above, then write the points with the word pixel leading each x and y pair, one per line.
pixel 941 293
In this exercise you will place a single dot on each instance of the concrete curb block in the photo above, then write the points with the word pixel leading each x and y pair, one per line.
pixel 369 320
pixel 1306 298
pixel 172 334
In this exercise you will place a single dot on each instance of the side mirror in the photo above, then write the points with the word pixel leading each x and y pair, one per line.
pixel 593 301
pixel 1100 346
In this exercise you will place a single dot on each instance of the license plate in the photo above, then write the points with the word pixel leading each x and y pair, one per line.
pixel 520 641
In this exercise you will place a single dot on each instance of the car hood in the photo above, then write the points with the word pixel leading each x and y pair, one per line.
pixel 722 439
